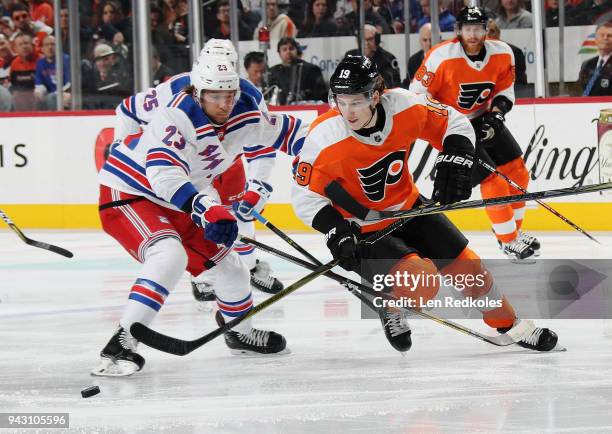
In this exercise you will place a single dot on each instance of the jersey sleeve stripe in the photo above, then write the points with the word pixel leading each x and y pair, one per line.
pixel 183 194
pixel 125 108
pixel 279 140
pixel 242 124
pixel 168 155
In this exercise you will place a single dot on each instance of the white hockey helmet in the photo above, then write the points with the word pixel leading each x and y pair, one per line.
pixel 214 73
pixel 220 48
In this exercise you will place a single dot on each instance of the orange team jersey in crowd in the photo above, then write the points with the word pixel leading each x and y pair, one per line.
pixel 448 75
pixel 374 169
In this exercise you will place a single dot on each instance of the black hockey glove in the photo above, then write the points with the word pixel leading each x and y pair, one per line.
pixel 343 245
pixel 491 125
pixel 454 165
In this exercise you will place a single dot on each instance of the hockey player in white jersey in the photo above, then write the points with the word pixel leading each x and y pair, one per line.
pixel 135 112
pixel 157 199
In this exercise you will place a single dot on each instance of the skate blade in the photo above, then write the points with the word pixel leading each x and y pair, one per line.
pixel 108 368
pixel 248 353
pixel 526 261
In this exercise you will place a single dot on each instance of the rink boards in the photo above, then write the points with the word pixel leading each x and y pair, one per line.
pixel 48 177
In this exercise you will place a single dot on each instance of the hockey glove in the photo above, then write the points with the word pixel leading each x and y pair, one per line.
pixel 454 165
pixel 219 225
pixel 491 125
pixel 258 192
pixel 343 245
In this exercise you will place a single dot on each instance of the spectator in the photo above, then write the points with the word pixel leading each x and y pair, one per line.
pixel 6 54
pixel 513 15
pixel 318 20
pixel 180 31
pixel 592 12
pixel 552 13
pixel 23 68
pixel 596 73
pixel 111 80
pixel 24 24
pixel 298 80
pixel 446 19
pixel 383 8
pixel 160 36
pixel 417 58
pixel 6 99
pixel 280 25
pixel 351 20
pixel 114 26
pixel 255 67
pixel 45 78
pixel 386 62
pixel 41 10
pixel 161 72
pixel 223 23
pixel 520 65
pixel 7 28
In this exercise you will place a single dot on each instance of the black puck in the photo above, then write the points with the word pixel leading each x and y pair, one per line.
pixel 90 391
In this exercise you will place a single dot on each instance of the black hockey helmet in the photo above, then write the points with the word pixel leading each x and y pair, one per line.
pixel 354 75
pixel 472 15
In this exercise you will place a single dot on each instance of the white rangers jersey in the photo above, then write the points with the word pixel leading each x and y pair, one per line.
pixel 181 150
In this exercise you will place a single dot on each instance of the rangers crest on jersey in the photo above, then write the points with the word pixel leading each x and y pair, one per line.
pixel 386 171
pixel 471 94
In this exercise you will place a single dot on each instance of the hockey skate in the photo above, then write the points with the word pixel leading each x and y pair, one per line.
pixel 203 292
pixel 518 252
pixel 119 357
pixel 396 328
pixel 262 280
pixel 531 241
pixel 255 342
pixel 540 339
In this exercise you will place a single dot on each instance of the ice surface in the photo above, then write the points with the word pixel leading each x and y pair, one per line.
pixel 342 375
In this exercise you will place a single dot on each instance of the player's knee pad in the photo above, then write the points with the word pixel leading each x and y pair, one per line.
pixel 233 278
pixel 494 186
pixel 165 262
pixel 416 279
pixel 516 171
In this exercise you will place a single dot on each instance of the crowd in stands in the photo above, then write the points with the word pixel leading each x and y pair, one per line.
pixel 28 36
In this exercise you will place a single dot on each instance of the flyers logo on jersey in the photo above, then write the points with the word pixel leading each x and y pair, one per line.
pixel 471 94
pixel 386 171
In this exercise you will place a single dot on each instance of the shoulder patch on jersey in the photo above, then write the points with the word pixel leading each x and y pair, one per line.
pixel 443 51
pixel 179 82
pixel 247 87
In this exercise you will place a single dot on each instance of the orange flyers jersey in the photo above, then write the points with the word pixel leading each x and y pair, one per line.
pixel 449 76
pixel 374 169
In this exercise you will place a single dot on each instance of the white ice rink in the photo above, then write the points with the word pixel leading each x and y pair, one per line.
pixel 342 375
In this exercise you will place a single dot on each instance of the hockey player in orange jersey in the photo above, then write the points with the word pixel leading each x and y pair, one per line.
pixel 362 144
pixel 475 76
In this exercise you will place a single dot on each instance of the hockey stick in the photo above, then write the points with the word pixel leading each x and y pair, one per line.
pixel 341 197
pixel 31 242
pixel 519 331
pixel 543 204
pixel 351 288
pixel 181 347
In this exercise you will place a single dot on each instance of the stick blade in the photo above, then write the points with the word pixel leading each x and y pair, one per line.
pixel 50 247
pixel 159 341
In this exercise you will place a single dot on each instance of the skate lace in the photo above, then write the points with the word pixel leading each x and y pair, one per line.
pixel 396 323
pixel 517 246
pixel 262 274
pixel 127 341
pixel 526 238
pixel 258 338
pixel 534 337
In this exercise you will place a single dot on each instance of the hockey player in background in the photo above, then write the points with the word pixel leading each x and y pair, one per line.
pixel 475 76
pixel 361 143
pixel 159 200
pixel 137 111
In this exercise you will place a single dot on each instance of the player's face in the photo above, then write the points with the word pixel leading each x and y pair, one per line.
pixel 355 109
pixel 473 37
pixel 218 104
